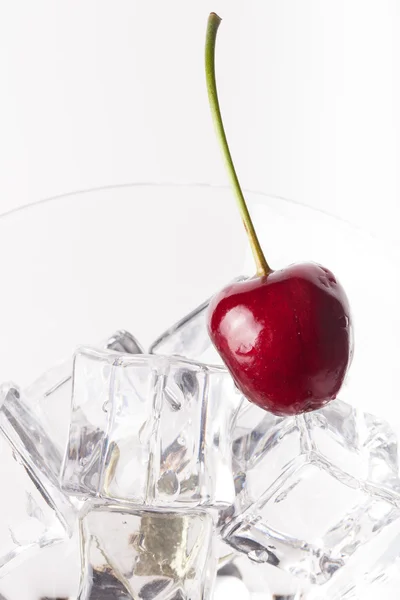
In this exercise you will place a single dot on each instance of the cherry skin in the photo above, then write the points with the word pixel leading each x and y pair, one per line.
pixel 285 338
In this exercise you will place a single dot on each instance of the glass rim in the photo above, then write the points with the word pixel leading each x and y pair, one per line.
pixel 171 184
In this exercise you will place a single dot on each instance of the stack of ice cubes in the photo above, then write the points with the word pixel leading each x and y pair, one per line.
pixel 175 479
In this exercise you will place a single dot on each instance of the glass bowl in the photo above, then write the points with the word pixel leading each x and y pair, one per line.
pixel 139 257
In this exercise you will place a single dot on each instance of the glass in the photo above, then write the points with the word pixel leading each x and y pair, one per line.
pixel 141 257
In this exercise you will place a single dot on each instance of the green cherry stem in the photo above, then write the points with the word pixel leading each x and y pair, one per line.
pixel 263 269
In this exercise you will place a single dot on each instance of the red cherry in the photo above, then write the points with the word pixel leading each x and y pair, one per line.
pixel 285 338
pixel 284 335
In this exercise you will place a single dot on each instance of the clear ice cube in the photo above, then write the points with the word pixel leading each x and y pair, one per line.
pixel 263 583
pixel 50 395
pixel 188 338
pixel 150 430
pixel 34 513
pixel 381 581
pixel 311 490
pixel 372 572
pixel 129 554
pixel 123 341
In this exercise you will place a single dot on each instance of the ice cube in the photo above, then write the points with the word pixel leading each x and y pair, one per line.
pixel 123 341
pixel 311 490
pixel 189 338
pixel 145 554
pixel 50 395
pixel 382 581
pixel 265 583
pixel 372 572
pixel 150 430
pixel 34 513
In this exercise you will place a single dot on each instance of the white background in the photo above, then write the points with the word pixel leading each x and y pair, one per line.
pixel 96 92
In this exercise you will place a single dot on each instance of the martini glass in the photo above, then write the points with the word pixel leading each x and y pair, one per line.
pixel 138 257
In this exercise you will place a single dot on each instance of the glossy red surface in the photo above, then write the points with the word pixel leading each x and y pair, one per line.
pixel 285 338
